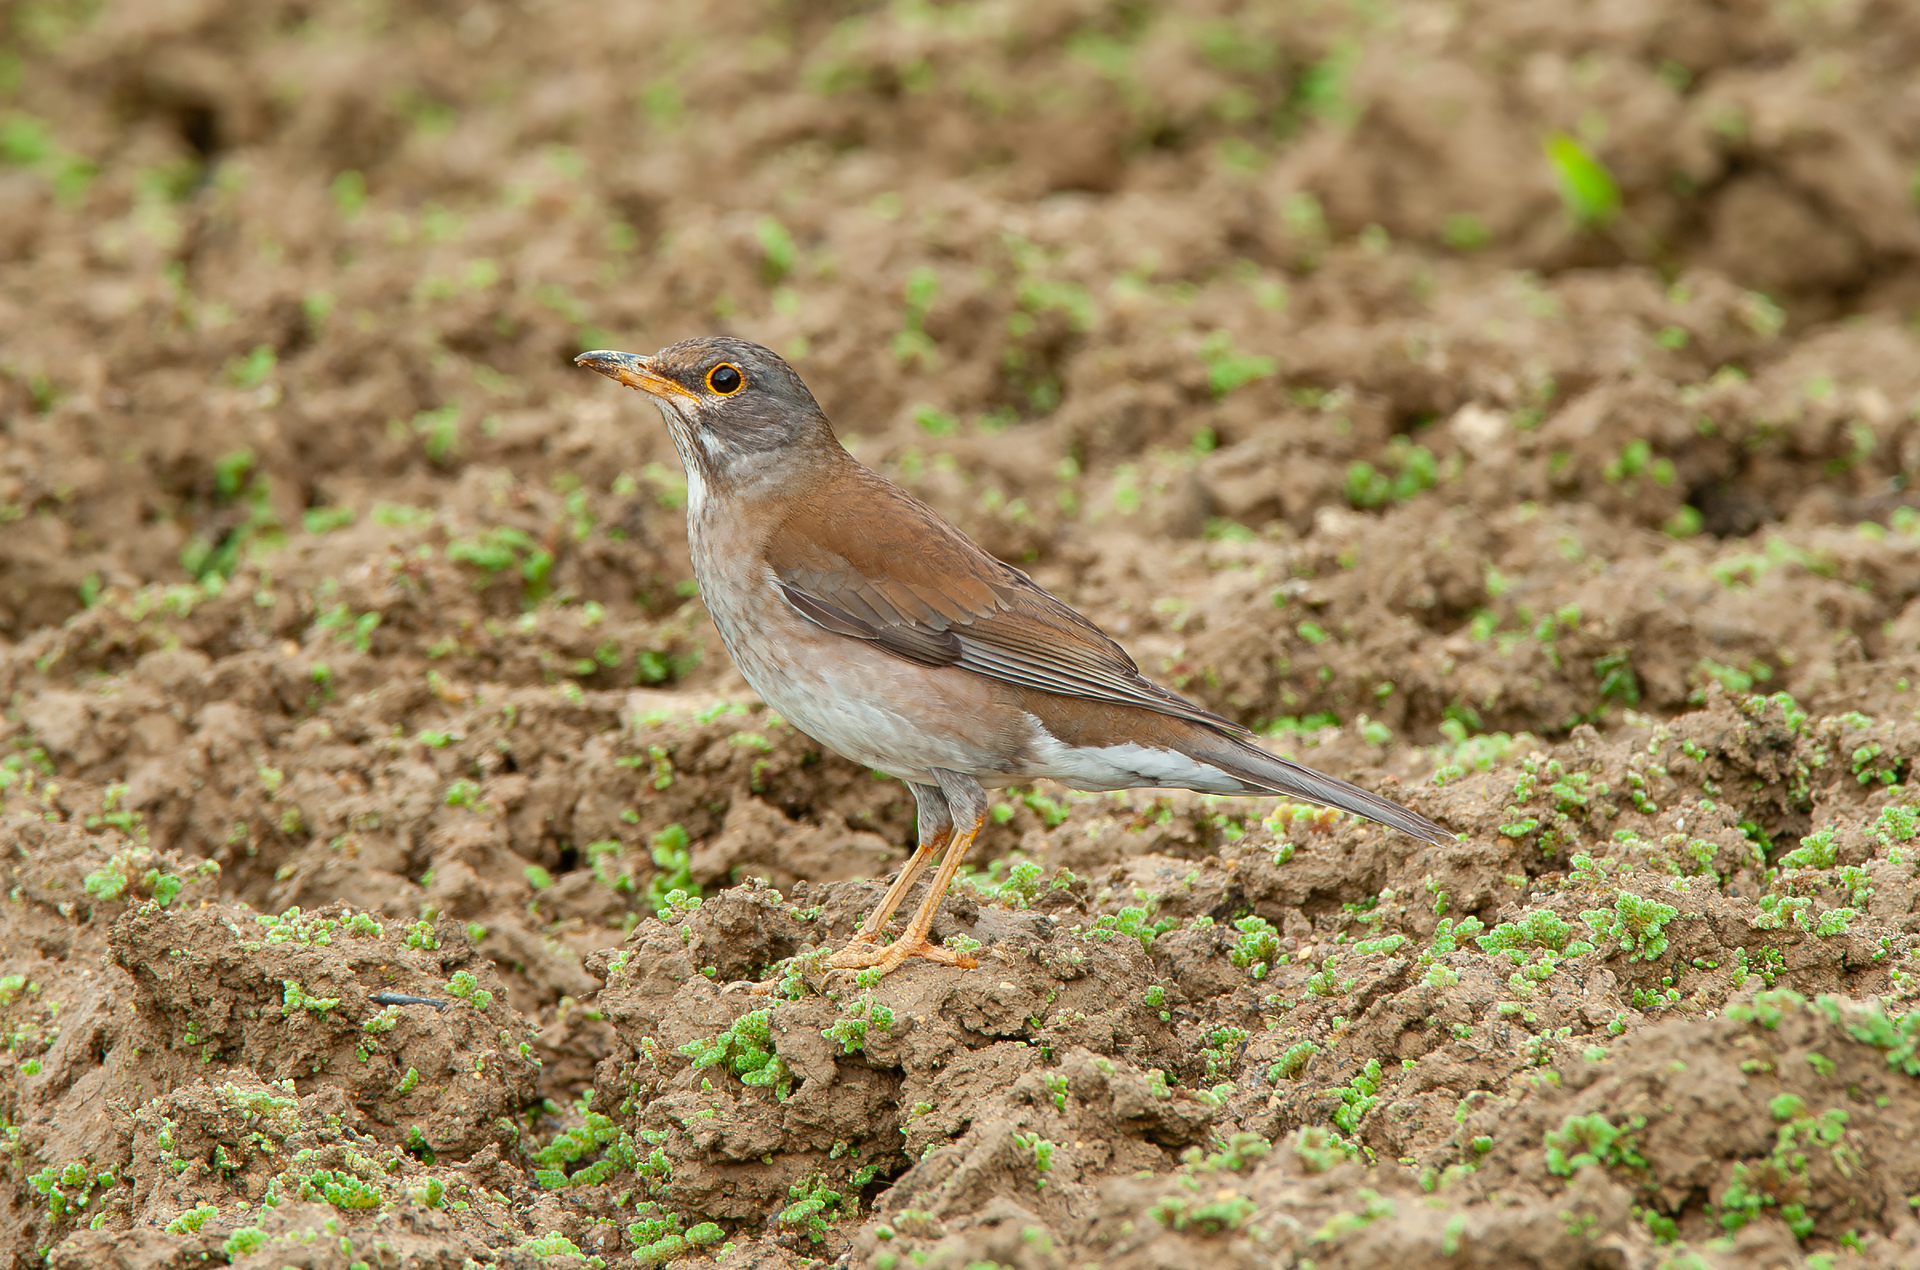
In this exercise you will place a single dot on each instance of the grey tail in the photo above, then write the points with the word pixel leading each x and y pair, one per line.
pixel 1270 774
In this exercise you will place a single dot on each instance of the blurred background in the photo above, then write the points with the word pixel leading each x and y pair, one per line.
pixel 1101 281
pixel 1299 341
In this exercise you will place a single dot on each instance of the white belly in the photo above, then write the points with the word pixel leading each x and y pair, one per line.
pixel 859 701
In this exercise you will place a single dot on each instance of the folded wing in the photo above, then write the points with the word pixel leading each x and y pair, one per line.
pixel 909 581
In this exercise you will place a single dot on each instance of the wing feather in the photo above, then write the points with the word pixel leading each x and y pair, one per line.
pixel 899 575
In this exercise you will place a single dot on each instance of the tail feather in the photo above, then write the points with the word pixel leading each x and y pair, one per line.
pixel 1269 773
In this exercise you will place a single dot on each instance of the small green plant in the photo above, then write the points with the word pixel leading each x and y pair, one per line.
pixel 467 988
pixel 911 342
pixel 192 1220
pixel 1592 1139
pixel 1896 825
pixel 673 860
pixel 1226 1211
pixel 1259 945
pixel 341 1189
pixel 244 1242
pixel 1816 851
pixel 1319 1148
pixel 502 548
pixel 1022 886
pixel 1447 937
pixel 1358 1098
pixel 747 1050
pixel 1412 469
pixel 1228 368
pixel 1292 1061
pixel 70 1188
pixel 1639 923
pixel 596 1135
pixel 1223 1046
pixel 464 793
pixel 850 1029
pixel 778 253
pixel 1538 929
pixel 294 997
pixel 660 1237
pixel 552 1244
pixel 812 1199
pixel 1238 1154
pixel 1132 921
pixel 1041 1149
pixel 604 857
pixel 1586 187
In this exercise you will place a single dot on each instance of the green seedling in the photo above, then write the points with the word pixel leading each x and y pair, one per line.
pixel 850 1029
pixel 746 1048
pixel 1259 946
pixel 1228 368
pixel 661 1237
pixel 1042 1151
pixel 1223 1044
pixel 1587 188
pixel 341 1189
pixel 1637 922
pixel 1292 1061
pixel 598 1135
pixel 1538 929
pixel 192 1220
pixel 552 1244
pixel 1358 1098
pixel 1592 1139
pixel 467 988
pixel 294 997
pixel 812 1199
pixel 1340 1225
pixel 244 1242
pixel 1134 922
pixel 671 856
pixel 1319 1148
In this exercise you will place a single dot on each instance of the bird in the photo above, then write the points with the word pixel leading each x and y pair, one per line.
pixel 878 628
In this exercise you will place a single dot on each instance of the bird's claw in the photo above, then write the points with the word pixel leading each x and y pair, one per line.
pixel 751 987
pixel 860 954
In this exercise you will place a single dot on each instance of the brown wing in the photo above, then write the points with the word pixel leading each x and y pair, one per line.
pixel 877 564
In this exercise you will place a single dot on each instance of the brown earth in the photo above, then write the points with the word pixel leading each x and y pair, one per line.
pixel 348 643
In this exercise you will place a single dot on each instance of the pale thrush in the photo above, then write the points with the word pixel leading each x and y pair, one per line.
pixel 879 629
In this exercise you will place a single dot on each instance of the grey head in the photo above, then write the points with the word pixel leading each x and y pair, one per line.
pixel 736 410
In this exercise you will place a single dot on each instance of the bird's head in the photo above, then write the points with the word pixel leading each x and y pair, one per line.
pixel 730 404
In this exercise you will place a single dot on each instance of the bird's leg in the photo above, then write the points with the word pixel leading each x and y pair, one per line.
pixel 968 804
pixel 935 831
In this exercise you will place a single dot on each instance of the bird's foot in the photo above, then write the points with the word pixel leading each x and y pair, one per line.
pixel 750 987
pixel 861 954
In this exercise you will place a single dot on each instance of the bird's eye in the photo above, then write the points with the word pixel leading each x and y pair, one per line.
pixel 725 379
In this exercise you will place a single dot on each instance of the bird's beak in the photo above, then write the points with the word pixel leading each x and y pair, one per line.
pixel 632 370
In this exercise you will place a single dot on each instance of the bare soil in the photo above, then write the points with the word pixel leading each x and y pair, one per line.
pixel 349 648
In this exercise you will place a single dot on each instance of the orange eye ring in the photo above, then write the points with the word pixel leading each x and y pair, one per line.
pixel 725 380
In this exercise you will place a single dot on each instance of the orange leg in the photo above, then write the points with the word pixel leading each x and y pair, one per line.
pixel 935 833
pixel 860 954
pixel 877 920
